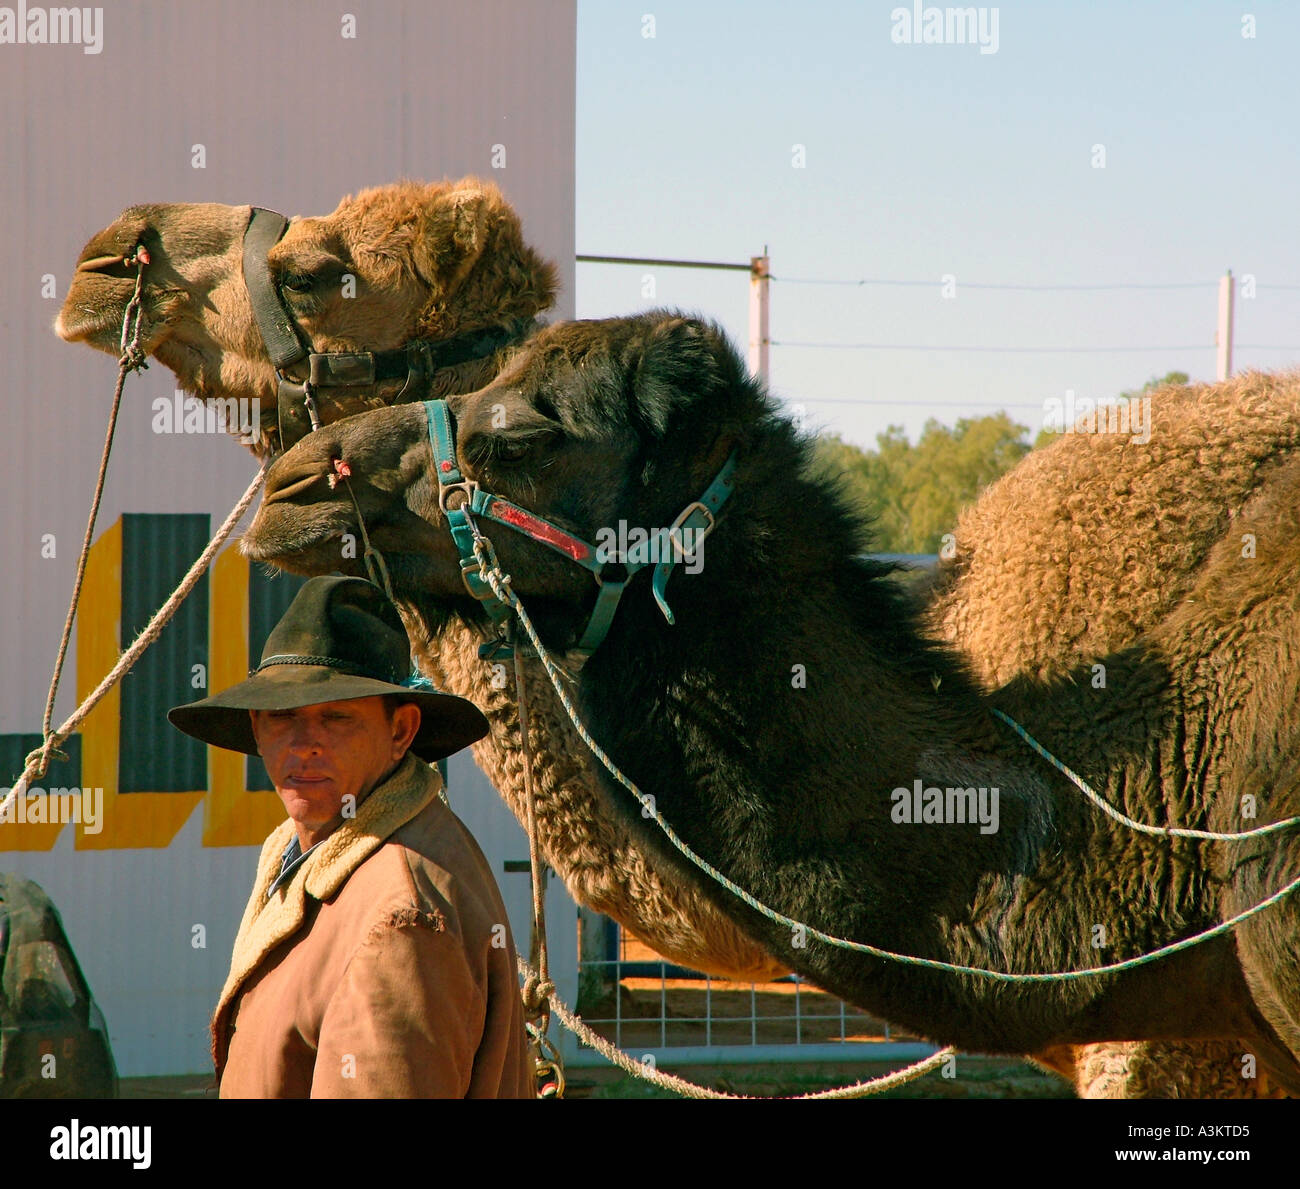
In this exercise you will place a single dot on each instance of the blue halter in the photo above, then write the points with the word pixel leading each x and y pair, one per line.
pixel 698 517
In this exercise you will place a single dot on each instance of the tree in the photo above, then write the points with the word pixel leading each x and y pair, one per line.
pixel 913 493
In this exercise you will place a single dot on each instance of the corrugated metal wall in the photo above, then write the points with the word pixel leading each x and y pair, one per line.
pixel 292 114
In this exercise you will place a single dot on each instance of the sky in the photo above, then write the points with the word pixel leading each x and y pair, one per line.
pixel 922 161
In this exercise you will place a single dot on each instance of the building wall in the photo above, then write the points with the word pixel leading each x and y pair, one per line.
pixel 292 113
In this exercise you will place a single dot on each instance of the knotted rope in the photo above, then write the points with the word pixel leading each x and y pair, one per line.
pixel 538 989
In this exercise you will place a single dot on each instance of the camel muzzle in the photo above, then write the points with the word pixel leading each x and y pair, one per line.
pixel 113 274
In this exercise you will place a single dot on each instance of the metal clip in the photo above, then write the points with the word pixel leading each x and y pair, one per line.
pixel 550 1080
pixel 310 401
pixel 548 1065
pixel 468 486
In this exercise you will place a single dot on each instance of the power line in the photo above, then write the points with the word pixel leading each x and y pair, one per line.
pixel 934 282
pixel 906 404
pixel 926 284
pixel 663 263
pixel 1025 350
pixel 1014 350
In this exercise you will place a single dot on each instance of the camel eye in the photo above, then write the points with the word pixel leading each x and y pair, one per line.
pixel 516 451
pixel 298 283
pixel 513 450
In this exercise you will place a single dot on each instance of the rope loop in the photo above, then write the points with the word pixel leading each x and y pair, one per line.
pixel 132 357
pixel 536 993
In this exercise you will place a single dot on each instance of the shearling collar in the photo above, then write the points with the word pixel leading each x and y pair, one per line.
pixel 269 921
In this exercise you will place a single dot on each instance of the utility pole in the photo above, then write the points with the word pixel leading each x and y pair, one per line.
pixel 1223 336
pixel 760 277
pixel 760 338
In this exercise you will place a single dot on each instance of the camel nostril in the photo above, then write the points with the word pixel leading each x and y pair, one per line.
pixel 112 266
pixel 297 480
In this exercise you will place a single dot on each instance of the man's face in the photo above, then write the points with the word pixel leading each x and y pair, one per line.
pixel 320 756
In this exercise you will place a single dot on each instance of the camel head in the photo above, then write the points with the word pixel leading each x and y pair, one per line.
pixel 592 425
pixel 390 265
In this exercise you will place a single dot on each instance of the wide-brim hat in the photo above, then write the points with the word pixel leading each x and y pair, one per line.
pixel 341 638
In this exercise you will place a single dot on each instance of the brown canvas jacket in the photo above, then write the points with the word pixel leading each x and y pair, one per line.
pixel 383 968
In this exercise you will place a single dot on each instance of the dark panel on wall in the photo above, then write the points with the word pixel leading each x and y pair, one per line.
pixel 157 550
pixel 14 750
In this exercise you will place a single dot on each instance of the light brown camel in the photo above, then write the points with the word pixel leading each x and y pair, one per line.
pixel 431 261
pixel 1184 727
pixel 1089 543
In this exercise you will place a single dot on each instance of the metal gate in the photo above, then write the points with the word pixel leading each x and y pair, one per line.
pixel 670 1014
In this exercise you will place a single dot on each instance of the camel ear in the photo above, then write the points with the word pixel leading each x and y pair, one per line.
pixel 683 361
pixel 453 234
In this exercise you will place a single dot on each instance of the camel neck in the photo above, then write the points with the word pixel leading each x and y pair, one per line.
pixel 846 773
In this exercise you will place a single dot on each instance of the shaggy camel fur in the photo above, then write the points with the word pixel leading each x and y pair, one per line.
pixel 1131 524
pixel 429 261
pixel 697 715
pixel 1086 545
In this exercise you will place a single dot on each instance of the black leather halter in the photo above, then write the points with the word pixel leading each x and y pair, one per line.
pixel 296 399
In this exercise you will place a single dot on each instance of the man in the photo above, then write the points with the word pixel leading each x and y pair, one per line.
pixel 374 958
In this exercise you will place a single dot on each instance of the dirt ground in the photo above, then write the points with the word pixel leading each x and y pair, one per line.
pixel 190 1085
pixel 976 1077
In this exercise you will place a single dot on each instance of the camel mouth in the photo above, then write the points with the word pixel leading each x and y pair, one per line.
pixel 87 325
pixel 94 308
pixel 302 548
pixel 324 542
pixel 79 324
